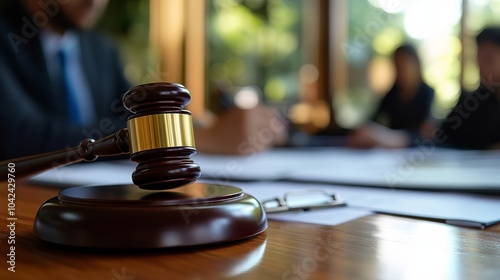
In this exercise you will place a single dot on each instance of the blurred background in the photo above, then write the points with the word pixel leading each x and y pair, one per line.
pixel 325 64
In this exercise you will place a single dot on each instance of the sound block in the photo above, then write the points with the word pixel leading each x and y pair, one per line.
pixel 127 217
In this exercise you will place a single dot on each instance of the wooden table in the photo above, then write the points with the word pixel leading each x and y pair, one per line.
pixel 374 247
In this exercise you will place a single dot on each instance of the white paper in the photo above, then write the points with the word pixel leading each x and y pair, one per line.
pixel 457 208
pixel 417 168
pixel 95 173
pixel 329 217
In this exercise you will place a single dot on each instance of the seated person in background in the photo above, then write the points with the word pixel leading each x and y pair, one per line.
pixel 405 109
pixel 61 82
pixel 474 123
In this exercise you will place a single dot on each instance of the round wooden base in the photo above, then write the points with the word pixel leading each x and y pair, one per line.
pixel 127 217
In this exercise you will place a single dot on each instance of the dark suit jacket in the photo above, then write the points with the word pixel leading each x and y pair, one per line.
pixel 33 112
pixel 474 123
pixel 403 115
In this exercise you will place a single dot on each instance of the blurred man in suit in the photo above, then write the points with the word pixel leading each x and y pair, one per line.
pixel 474 123
pixel 61 82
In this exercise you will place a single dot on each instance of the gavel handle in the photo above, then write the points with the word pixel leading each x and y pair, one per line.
pixel 88 150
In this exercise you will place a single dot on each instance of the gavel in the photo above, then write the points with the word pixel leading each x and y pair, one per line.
pixel 159 137
pixel 167 209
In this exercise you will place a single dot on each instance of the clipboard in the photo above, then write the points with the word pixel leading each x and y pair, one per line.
pixel 303 201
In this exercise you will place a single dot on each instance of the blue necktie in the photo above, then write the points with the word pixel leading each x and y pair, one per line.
pixel 69 87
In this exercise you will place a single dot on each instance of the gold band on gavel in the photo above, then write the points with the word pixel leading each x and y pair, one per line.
pixel 160 131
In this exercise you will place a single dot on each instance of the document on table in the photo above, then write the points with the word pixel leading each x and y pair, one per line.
pixel 329 217
pixel 417 168
pixel 464 209
pixel 95 173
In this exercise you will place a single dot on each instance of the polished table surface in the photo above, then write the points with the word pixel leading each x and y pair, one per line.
pixel 374 247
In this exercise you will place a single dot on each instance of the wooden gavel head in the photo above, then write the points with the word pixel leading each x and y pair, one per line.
pixel 160 135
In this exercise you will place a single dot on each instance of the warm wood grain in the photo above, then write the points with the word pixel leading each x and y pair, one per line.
pixel 375 247
pixel 494 228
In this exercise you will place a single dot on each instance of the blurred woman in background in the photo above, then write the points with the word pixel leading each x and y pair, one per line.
pixel 404 113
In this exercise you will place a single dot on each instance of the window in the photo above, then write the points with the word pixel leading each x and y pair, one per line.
pixel 375 29
pixel 301 55
pixel 254 52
